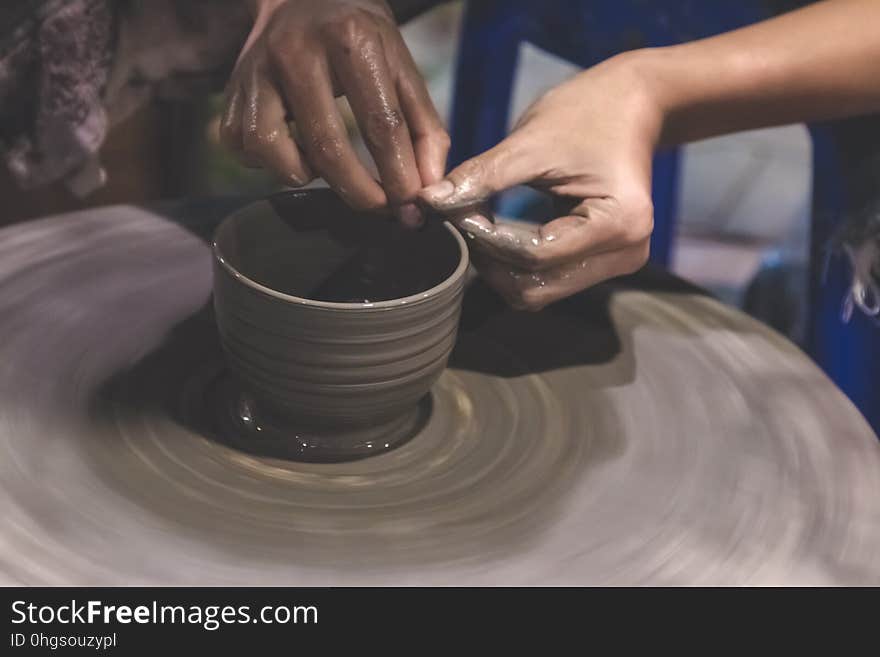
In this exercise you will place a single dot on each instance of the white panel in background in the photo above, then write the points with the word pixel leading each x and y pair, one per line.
pixel 753 185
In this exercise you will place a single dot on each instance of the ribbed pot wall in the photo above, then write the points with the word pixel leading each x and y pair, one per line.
pixel 329 365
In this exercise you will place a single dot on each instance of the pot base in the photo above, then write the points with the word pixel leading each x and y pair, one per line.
pixel 241 422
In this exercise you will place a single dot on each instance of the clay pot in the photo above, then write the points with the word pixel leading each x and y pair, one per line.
pixel 334 318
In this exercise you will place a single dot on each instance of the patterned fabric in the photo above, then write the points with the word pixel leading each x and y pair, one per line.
pixel 54 63
pixel 69 69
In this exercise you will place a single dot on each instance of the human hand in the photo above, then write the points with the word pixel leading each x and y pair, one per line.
pixel 588 142
pixel 299 56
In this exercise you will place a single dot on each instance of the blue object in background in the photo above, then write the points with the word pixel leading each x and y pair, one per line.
pixel 586 32
pixel 846 161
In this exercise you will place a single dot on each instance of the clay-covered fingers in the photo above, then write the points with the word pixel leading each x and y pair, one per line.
pixel 605 233
pixel 616 220
pixel 533 290
pixel 596 225
pixel 512 162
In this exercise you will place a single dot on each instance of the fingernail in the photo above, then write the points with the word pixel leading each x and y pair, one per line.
pixel 292 180
pixel 410 215
pixel 439 191
pixel 475 222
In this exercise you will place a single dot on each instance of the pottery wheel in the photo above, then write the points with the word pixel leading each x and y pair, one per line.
pixel 640 434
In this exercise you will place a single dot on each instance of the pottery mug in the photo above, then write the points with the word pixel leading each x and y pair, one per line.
pixel 331 317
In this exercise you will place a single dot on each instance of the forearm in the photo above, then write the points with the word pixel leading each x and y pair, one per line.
pixel 817 63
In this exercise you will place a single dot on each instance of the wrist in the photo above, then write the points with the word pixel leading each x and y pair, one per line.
pixel 668 84
pixel 638 76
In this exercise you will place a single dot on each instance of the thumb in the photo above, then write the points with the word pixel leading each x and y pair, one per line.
pixel 508 164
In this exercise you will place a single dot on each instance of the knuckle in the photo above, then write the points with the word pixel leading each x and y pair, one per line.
pixel 533 259
pixel 324 148
pixel 639 220
pixel 383 15
pixel 381 126
pixel 474 170
pixel 530 297
pixel 253 142
pixel 349 27
pixel 638 257
pixel 440 139
pixel 284 47
pixel 532 302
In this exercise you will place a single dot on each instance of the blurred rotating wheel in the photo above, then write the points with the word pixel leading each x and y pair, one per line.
pixel 635 434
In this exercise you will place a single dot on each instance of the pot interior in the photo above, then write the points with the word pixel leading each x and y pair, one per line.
pixel 309 244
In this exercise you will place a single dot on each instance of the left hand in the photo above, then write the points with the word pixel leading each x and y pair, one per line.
pixel 300 55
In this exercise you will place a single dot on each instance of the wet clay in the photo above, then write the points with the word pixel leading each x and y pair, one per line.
pixel 640 434
pixel 332 321
pixel 308 244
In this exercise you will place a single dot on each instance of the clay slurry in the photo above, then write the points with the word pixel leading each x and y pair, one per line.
pixel 381 273
pixel 342 257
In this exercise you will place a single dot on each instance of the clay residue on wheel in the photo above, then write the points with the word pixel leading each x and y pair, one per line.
pixel 647 436
pixel 482 478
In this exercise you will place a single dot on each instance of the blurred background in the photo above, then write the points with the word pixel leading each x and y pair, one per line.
pixel 742 229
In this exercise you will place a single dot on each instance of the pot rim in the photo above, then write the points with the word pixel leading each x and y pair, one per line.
pixel 432 292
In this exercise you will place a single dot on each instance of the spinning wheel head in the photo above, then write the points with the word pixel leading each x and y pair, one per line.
pixel 639 434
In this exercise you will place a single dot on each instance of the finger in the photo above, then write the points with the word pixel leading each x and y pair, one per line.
pixel 230 121
pixel 526 290
pixel 429 137
pixel 595 225
pixel 232 127
pixel 360 66
pixel 309 96
pixel 621 218
pixel 512 162
pixel 265 135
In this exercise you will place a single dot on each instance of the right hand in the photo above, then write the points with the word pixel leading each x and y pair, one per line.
pixel 588 143
pixel 299 56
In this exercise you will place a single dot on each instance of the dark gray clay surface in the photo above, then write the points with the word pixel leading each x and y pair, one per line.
pixel 309 244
